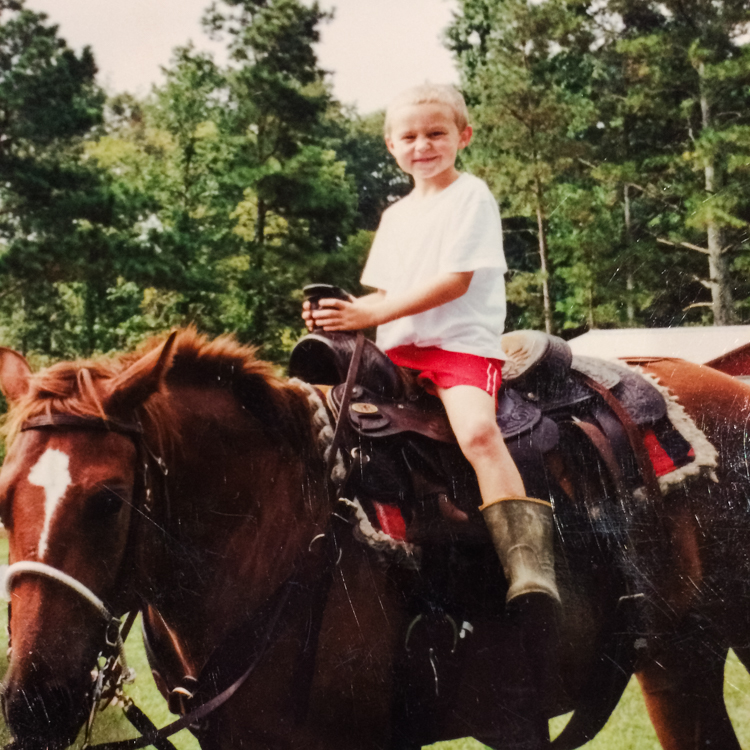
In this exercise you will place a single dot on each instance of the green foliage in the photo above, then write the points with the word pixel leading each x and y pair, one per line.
pixel 615 135
pixel 622 129
pixel 211 202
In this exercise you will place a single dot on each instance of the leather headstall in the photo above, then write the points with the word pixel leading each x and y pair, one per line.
pixel 143 481
pixel 75 421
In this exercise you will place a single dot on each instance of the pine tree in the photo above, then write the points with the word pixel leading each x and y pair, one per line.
pixel 524 105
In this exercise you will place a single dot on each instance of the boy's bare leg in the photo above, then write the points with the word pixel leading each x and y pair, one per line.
pixel 521 527
pixel 471 412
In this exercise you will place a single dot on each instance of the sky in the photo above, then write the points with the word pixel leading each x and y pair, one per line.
pixel 374 48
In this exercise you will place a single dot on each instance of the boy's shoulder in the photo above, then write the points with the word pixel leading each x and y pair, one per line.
pixel 467 193
pixel 474 186
pixel 467 187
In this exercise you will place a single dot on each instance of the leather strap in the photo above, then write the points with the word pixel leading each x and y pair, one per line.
pixel 635 437
pixel 343 418
pixel 145 726
pixel 57 421
pixel 153 737
pixel 603 447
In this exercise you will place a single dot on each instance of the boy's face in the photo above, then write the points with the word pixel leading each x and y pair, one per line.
pixel 424 139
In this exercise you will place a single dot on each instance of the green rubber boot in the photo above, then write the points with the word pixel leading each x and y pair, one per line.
pixel 521 530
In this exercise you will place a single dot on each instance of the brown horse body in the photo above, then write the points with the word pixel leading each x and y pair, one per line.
pixel 206 547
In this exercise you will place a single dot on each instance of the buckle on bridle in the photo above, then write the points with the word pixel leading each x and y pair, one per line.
pixel 112 633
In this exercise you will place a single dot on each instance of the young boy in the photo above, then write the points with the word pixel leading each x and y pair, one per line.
pixel 438 266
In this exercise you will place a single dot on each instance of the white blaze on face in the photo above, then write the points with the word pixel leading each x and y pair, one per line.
pixel 51 473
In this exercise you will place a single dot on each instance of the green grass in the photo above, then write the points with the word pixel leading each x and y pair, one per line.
pixel 627 729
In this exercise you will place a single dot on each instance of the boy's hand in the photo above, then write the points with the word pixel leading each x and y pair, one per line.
pixel 340 315
pixel 310 316
pixel 307 315
pixel 378 308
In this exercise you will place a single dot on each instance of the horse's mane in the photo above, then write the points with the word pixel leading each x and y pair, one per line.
pixel 75 387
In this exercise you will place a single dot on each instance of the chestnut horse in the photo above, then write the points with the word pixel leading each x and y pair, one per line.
pixel 188 481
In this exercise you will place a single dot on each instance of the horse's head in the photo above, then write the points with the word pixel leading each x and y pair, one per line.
pixel 68 489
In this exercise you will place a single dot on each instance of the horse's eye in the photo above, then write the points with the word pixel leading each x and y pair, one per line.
pixel 104 504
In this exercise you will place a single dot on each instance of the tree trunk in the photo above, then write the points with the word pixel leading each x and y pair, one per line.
pixel 629 283
pixel 260 224
pixel 89 317
pixel 718 265
pixel 543 260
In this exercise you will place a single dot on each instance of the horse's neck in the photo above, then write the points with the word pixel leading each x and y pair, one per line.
pixel 238 512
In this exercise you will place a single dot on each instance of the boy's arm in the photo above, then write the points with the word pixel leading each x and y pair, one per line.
pixel 379 307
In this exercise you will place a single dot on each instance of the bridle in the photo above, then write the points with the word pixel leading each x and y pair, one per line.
pixel 132 430
pixel 115 672
pixel 288 597
pixel 112 636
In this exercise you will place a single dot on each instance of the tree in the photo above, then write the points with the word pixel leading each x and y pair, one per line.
pixel 296 200
pixel 49 198
pixel 236 174
pixel 673 103
pixel 526 101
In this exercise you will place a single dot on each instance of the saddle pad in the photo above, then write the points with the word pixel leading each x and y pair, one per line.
pixel 638 396
pixel 667 449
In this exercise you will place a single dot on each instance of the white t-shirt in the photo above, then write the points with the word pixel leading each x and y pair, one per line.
pixel 455 230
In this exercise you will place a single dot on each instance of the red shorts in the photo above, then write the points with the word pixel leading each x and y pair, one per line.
pixel 447 369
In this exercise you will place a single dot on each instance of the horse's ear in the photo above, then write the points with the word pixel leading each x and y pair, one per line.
pixel 14 374
pixel 132 387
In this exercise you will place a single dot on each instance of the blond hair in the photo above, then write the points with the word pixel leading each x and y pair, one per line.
pixel 430 93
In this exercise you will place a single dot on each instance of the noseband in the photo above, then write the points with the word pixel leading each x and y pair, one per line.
pixel 24 567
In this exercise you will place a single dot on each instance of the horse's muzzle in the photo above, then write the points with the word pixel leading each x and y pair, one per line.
pixel 45 718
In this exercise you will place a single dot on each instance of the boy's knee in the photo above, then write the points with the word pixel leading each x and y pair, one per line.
pixel 480 437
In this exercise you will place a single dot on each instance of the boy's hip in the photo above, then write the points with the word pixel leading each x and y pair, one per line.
pixel 445 369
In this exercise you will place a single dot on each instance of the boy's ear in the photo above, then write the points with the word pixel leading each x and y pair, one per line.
pixel 465 137
pixel 389 145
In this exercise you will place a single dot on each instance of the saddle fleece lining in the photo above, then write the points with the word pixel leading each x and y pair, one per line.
pixel 704 455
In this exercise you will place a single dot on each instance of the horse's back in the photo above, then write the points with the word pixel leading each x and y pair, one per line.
pixel 719 403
